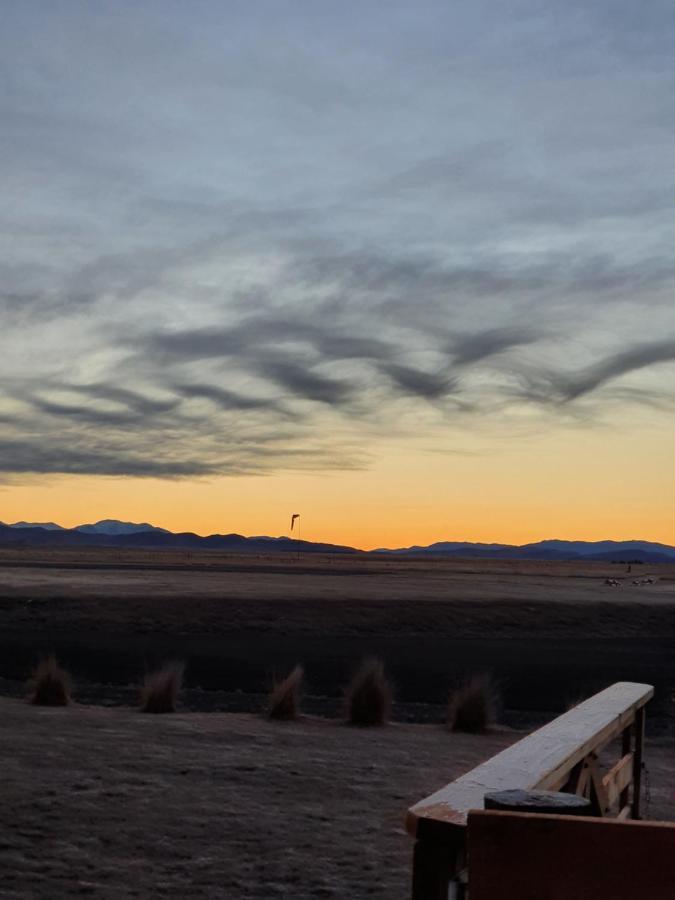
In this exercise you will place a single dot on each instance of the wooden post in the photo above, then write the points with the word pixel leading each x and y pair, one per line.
pixel 625 749
pixel 435 864
pixel 637 759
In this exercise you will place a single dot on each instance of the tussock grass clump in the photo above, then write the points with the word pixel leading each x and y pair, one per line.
pixel 161 688
pixel 472 707
pixel 284 699
pixel 50 685
pixel 369 696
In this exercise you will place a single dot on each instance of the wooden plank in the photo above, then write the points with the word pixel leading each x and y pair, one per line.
pixel 574 782
pixel 539 760
pixel 637 760
pixel 434 866
pixel 598 791
pixel 618 778
pixel 620 772
pixel 527 856
pixel 625 748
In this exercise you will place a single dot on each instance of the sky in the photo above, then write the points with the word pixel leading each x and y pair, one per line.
pixel 406 268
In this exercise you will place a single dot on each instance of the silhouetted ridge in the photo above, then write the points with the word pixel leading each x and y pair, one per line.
pixel 112 533
pixel 161 539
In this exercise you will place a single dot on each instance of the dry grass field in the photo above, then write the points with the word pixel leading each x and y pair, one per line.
pixel 115 804
pixel 550 632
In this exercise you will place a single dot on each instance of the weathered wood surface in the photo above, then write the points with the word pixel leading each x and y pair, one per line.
pixel 540 857
pixel 618 778
pixel 542 760
pixel 637 760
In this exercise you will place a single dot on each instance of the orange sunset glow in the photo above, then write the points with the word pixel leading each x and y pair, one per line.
pixel 560 486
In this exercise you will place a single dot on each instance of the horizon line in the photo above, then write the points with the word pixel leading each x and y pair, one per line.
pixel 336 544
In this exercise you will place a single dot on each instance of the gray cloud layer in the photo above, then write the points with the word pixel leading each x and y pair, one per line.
pixel 244 239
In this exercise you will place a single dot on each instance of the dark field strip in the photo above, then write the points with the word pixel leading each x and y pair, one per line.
pixel 186 567
pixel 290 569
pixel 547 633
pixel 546 674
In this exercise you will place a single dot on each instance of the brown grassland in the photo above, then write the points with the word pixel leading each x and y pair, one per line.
pixel 115 804
pixel 112 803
pixel 548 632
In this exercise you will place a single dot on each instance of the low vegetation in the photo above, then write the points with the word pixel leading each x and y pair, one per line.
pixel 472 707
pixel 369 696
pixel 50 685
pixel 161 689
pixel 284 699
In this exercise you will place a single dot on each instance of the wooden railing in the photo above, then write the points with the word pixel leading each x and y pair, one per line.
pixel 561 756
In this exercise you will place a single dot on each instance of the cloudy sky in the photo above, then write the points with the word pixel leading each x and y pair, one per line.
pixel 405 268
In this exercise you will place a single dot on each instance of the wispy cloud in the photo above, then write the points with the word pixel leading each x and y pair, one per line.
pixel 270 238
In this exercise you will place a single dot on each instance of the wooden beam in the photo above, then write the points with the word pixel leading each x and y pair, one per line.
pixel 434 867
pixel 579 779
pixel 637 760
pixel 618 778
pixel 597 790
pixel 625 748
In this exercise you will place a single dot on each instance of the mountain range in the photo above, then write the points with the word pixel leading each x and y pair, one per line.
pixel 553 550
pixel 113 533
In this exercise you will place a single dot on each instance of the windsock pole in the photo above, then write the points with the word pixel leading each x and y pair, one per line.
pixel 294 517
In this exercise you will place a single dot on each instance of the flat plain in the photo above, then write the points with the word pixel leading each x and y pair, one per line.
pixel 113 804
pixel 110 803
pixel 549 632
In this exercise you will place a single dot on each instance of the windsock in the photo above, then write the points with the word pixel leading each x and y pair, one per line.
pixel 293 518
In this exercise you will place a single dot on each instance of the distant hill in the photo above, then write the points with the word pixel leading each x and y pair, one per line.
pixel 105 526
pixel 601 551
pixel 113 533
pixel 113 526
pixel 48 526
